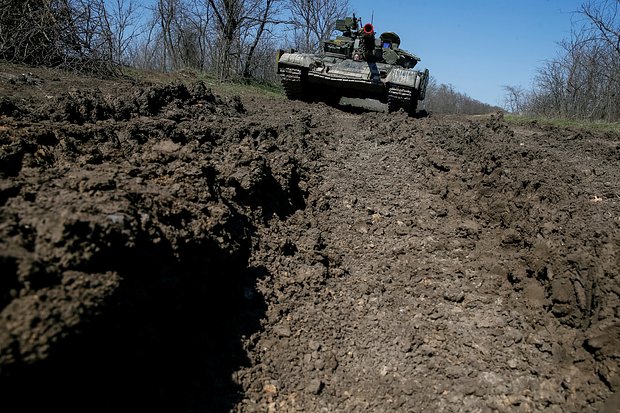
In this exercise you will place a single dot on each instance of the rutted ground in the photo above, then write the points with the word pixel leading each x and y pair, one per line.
pixel 180 249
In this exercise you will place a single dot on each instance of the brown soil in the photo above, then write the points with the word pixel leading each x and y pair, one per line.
pixel 165 248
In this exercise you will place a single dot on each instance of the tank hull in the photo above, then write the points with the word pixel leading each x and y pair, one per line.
pixel 331 77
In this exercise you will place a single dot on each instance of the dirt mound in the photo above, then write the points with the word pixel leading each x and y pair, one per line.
pixel 166 247
pixel 81 107
pixel 118 213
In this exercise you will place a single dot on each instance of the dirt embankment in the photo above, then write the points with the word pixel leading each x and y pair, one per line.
pixel 177 249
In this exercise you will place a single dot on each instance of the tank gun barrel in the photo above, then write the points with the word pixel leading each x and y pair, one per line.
pixel 368 37
pixel 368 30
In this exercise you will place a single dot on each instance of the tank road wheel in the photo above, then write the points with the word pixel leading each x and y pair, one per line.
pixel 402 98
pixel 294 81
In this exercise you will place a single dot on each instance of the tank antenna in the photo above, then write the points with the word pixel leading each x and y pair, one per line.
pixel 372 18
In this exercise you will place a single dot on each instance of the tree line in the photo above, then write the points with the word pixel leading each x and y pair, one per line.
pixel 583 82
pixel 442 98
pixel 230 38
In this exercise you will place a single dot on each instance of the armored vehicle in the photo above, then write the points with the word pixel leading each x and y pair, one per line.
pixel 356 64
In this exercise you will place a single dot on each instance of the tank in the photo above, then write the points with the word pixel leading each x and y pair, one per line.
pixel 357 64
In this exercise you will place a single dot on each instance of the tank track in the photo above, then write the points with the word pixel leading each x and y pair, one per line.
pixel 402 98
pixel 293 82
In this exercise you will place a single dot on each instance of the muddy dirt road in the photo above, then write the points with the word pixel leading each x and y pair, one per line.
pixel 165 247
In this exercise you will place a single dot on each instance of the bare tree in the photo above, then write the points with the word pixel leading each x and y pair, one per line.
pixel 228 15
pixel 231 38
pixel 313 21
pixel 69 33
pixel 121 26
pixel 221 36
pixel 514 101
pixel 265 18
pixel 165 15
pixel 240 25
pixel 200 15
pixel 263 64
pixel 605 22
pixel 603 34
pixel 584 81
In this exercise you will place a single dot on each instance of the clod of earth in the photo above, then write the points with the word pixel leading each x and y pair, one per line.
pixel 165 247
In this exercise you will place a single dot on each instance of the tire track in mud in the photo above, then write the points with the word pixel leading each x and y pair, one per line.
pixel 440 301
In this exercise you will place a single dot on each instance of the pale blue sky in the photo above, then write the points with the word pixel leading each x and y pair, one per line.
pixel 476 45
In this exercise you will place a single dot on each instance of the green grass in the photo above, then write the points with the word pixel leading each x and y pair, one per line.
pixel 241 87
pixel 252 87
pixel 598 126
